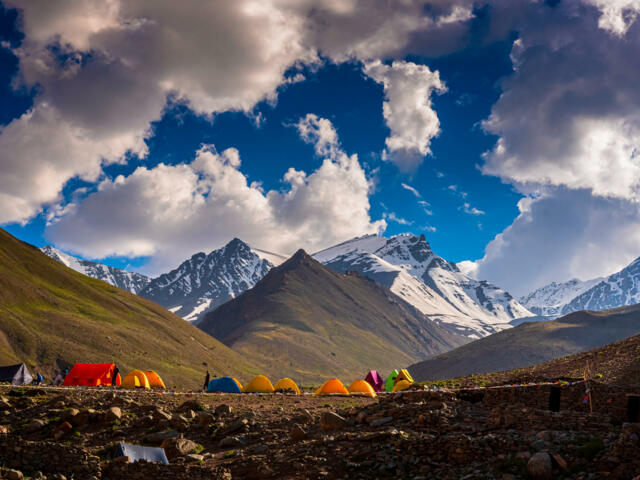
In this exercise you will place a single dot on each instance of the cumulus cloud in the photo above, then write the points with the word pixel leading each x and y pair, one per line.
pixel 407 110
pixel 559 235
pixel 467 208
pixel 569 115
pixel 171 211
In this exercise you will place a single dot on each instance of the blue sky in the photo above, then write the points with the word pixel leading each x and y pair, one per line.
pixel 531 107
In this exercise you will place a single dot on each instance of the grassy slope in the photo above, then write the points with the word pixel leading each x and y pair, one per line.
pixel 533 343
pixel 306 321
pixel 51 315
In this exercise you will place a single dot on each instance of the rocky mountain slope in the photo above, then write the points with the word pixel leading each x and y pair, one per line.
pixel 305 320
pixel 204 282
pixel 52 316
pixel 130 281
pixel 533 343
pixel 409 268
pixel 550 300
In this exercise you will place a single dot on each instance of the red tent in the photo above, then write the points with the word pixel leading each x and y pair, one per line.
pixel 91 374
pixel 375 380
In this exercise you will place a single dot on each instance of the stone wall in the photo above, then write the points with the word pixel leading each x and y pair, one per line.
pixel 144 471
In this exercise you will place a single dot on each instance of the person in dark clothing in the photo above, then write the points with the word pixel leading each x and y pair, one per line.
pixel 66 372
pixel 39 379
pixel 114 379
pixel 206 381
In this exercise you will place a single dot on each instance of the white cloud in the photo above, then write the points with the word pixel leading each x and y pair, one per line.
pixel 169 212
pixel 393 217
pixel 467 208
pixel 425 207
pixel 321 134
pixel 559 235
pixel 617 15
pixel 411 189
pixel 407 110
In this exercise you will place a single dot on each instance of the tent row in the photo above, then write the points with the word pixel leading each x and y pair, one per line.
pixel 372 385
pixel 99 374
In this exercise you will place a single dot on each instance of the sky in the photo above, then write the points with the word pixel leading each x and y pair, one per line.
pixel 507 131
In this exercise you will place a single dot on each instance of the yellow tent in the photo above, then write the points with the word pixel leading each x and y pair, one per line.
pixel 237 382
pixel 135 379
pixel 333 386
pixel 401 385
pixel 403 375
pixel 154 379
pixel 363 388
pixel 260 384
pixel 287 384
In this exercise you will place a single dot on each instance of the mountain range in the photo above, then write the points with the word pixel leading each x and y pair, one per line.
pixel 532 343
pixel 616 290
pixel 52 317
pixel 409 268
pixel 315 323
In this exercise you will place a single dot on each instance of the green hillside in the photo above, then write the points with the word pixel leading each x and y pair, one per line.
pixel 52 316
pixel 306 321
pixel 533 343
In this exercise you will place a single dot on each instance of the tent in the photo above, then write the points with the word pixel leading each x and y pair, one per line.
pixel 260 384
pixel 333 386
pixel 223 385
pixel 388 385
pixel 136 379
pixel 16 374
pixel 404 375
pixel 138 452
pixel 285 384
pixel 402 385
pixel 91 375
pixel 154 379
pixel 362 388
pixel 237 382
pixel 375 380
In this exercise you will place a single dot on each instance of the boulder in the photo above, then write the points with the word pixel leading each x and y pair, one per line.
pixel 113 414
pixel 69 413
pixel 14 475
pixel 178 447
pixel 297 433
pixel 35 425
pixel 205 418
pixel 223 409
pixel 194 405
pixel 332 421
pixel 159 437
pixel 539 466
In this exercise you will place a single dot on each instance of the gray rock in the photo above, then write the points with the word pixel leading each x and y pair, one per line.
pixel 35 425
pixel 227 442
pixel 159 437
pixel 14 475
pixel 539 466
pixel 332 421
pixel 204 418
pixel 113 414
pixel 178 447
pixel 297 433
pixel 194 457
pixel 378 422
pixel 223 409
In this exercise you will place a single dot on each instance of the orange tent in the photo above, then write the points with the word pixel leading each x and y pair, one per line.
pixel 363 388
pixel 333 386
pixel 286 384
pixel 91 375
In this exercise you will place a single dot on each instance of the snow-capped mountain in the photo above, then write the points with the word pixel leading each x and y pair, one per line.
pixel 409 268
pixel 130 281
pixel 204 282
pixel 550 300
pixel 617 290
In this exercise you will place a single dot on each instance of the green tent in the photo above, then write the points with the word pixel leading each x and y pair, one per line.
pixel 388 385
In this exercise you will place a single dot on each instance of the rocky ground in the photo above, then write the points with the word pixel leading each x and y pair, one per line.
pixel 70 433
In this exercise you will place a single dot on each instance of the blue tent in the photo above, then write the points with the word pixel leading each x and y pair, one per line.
pixel 138 452
pixel 223 385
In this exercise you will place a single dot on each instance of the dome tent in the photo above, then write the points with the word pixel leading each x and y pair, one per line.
pixel 259 384
pixel 404 375
pixel 362 388
pixel 136 379
pixel 375 380
pixel 391 379
pixel 16 374
pixel 91 375
pixel 333 386
pixel 154 379
pixel 286 384
pixel 402 385
pixel 223 385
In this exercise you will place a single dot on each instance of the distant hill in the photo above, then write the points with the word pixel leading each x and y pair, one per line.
pixel 52 316
pixel 533 343
pixel 309 322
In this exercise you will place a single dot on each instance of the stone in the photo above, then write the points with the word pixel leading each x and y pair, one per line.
pixel 194 457
pixel 223 409
pixel 539 466
pixel 237 425
pixel 378 422
pixel 561 462
pixel 160 414
pixel 69 413
pixel 204 418
pixel 297 433
pixel 123 459
pixel 80 419
pixel 159 437
pixel 4 430
pixel 227 442
pixel 113 414
pixel 61 430
pixel 178 447
pixel 194 405
pixel 361 417
pixel 436 405
pixel 5 404
pixel 332 421
pixel 259 449
pixel 14 475
pixel 35 425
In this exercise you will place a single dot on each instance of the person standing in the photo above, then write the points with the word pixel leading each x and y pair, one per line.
pixel 39 379
pixel 66 372
pixel 114 379
pixel 207 378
